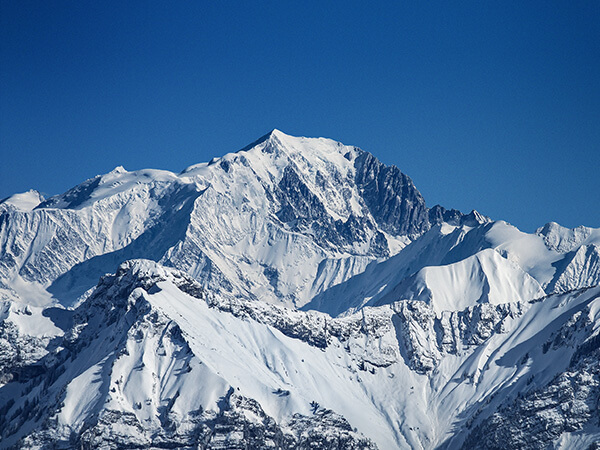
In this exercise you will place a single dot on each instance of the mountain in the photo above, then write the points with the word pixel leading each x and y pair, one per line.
pixel 259 223
pixel 295 294
pixel 152 358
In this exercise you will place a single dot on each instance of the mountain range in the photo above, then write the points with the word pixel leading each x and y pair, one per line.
pixel 297 293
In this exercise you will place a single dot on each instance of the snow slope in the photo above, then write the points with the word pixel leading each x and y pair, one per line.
pixel 295 294
pixel 490 261
pixel 565 240
pixel 24 201
pixel 150 356
pixel 485 277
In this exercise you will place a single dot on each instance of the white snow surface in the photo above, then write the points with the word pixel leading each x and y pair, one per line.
pixel 390 402
pixel 485 277
pixel 465 265
pixel 217 221
pixel 24 201
pixel 564 239
pixel 414 346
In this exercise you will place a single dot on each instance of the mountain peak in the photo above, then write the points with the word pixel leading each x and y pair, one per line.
pixel 475 218
pixel 563 239
pixel 118 169
pixel 24 201
pixel 193 324
pixel 274 133
pixel 300 144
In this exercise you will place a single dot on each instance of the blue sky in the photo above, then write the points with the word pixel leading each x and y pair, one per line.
pixel 486 105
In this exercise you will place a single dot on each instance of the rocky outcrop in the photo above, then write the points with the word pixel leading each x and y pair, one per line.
pixel 568 404
pixel 392 198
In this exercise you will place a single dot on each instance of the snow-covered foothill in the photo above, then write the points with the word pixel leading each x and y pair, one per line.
pixel 152 357
pixel 490 261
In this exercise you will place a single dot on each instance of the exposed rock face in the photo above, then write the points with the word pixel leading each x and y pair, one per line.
pixel 303 211
pixel 18 353
pixel 391 197
pixel 439 214
pixel 567 404
pixel 239 424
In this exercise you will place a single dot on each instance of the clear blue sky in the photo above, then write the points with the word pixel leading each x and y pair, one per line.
pixel 486 105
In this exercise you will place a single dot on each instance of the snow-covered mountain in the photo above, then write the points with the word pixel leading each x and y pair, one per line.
pixel 295 294
pixel 281 220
